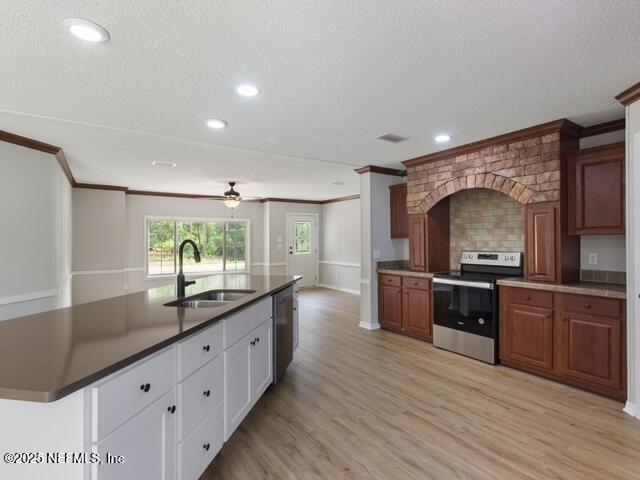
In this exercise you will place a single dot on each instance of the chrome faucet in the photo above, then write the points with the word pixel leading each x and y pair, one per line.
pixel 182 283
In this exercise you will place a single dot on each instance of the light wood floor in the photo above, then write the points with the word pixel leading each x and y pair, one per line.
pixel 376 405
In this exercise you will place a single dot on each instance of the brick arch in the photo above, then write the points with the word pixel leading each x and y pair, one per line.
pixel 501 184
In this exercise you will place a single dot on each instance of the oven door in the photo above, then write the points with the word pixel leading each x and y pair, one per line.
pixel 465 306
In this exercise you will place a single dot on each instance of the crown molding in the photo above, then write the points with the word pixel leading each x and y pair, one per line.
pixel 41 147
pixel 397 172
pixel 605 127
pixel 557 126
pixel 630 95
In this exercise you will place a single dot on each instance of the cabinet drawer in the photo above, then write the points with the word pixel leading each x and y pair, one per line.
pixel 417 283
pixel 395 280
pixel 240 324
pixel 117 399
pixel 198 450
pixel 198 395
pixel 604 307
pixel 198 349
pixel 527 296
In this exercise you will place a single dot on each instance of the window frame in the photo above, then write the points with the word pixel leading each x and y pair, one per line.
pixel 176 219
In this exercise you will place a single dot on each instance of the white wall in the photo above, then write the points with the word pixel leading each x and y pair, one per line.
pixel 340 246
pixel 377 244
pixel 35 241
pixel 633 258
pixel 99 239
pixel 275 232
pixel 610 248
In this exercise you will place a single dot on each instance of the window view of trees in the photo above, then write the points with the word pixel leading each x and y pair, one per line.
pixel 221 244
pixel 302 241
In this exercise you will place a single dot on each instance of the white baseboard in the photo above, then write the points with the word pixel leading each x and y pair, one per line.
pixel 369 326
pixel 335 287
pixel 630 409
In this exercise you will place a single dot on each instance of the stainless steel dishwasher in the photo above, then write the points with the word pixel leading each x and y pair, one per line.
pixel 282 332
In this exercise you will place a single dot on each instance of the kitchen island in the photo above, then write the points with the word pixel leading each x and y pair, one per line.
pixel 162 385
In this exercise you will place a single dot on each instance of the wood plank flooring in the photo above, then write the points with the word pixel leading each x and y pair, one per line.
pixel 376 405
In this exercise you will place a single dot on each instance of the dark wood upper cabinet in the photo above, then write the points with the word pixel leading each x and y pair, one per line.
pixel 541 241
pixel 596 190
pixel 418 242
pixel 398 211
pixel 429 239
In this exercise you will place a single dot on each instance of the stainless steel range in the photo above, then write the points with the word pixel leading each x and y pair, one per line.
pixel 465 303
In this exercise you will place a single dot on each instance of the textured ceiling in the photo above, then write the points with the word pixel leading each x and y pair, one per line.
pixel 333 76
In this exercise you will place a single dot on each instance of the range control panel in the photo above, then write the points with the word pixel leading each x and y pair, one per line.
pixel 501 259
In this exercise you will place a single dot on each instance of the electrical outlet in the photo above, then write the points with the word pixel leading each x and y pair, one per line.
pixel 593 258
pixel 376 254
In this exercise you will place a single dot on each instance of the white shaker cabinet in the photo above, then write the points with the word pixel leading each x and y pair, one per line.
pixel 146 443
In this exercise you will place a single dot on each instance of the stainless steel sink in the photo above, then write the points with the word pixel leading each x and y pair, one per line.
pixel 210 299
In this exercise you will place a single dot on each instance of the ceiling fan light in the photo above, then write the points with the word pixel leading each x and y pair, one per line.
pixel 231 202
pixel 231 197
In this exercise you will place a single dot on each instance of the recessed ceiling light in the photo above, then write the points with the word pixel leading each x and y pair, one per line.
pixel 247 90
pixel 86 30
pixel 442 138
pixel 216 123
pixel 157 163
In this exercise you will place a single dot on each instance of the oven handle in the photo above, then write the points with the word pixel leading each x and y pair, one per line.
pixel 462 283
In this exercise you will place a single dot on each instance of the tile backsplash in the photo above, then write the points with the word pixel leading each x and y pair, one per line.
pixel 485 220
pixel 603 276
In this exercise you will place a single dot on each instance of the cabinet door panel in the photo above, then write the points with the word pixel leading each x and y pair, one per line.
pixel 237 385
pixel 390 307
pixel 416 313
pixel 541 242
pixel 596 190
pixel 417 243
pixel 527 336
pixel 147 442
pixel 591 349
pixel 399 218
pixel 261 361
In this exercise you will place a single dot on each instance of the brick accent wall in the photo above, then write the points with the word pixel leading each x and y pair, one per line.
pixel 528 171
pixel 484 220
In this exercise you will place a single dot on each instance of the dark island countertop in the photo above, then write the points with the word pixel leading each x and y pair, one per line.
pixel 46 356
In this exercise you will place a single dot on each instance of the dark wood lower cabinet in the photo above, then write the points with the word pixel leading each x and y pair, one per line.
pixel 390 307
pixel 404 305
pixel 576 339
pixel 527 336
pixel 416 308
pixel 591 348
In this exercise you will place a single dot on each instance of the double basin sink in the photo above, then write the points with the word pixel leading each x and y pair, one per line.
pixel 210 299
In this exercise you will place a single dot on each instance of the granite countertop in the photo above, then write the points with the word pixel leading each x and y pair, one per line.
pixel 610 290
pixel 404 272
pixel 400 267
pixel 46 356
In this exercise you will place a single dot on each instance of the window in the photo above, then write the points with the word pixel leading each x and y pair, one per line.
pixel 301 242
pixel 223 246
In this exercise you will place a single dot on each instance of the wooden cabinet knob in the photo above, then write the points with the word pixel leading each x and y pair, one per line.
pixel 587 305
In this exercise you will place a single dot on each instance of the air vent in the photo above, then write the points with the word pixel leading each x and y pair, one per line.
pixel 390 137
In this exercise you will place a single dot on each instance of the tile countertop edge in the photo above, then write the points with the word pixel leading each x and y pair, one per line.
pixel 586 288
pixel 405 273
pixel 48 396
